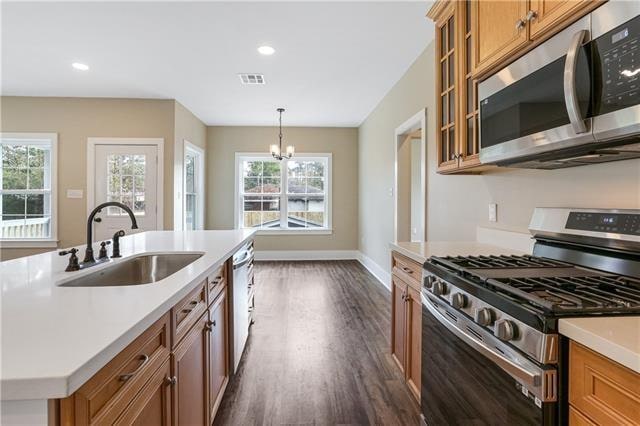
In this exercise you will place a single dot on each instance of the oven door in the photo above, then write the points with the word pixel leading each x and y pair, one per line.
pixel 468 377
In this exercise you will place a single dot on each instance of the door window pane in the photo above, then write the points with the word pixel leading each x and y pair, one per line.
pixel 124 173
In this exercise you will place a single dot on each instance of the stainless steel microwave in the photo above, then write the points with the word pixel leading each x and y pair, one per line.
pixel 573 100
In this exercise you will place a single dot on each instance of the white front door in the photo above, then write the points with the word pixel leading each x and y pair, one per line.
pixel 128 174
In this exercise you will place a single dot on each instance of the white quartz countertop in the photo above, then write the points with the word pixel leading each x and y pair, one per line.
pixel 420 252
pixel 617 338
pixel 55 338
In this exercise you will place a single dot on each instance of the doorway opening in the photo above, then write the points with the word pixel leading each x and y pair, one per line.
pixel 410 189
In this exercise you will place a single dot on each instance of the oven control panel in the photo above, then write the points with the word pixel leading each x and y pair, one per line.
pixel 616 223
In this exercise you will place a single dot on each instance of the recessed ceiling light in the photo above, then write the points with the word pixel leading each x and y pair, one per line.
pixel 266 50
pixel 80 66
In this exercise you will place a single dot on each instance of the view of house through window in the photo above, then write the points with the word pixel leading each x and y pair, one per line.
pixel 26 190
pixel 287 194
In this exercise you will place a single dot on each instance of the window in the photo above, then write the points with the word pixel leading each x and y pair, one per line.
pixel 27 189
pixel 125 174
pixel 193 213
pixel 288 195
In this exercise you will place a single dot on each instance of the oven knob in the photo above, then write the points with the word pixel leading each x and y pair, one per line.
pixel 439 288
pixel 428 281
pixel 483 316
pixel 459 301
pixel 505 330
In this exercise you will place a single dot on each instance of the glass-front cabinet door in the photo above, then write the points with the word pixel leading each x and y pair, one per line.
pixel 447 150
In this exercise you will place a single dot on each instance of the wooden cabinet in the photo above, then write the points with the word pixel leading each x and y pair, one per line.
pixel 152 406
pixel 500 29
pixel 601 392
pixel 190 367
pixel 406 319
pixel 109 392
pixel 218 353
pixel 187 312
pixel 473 39
pixel 456 87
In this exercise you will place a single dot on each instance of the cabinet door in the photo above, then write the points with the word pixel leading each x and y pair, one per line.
pixel 190 367
pixel 218 353
pixel 152 406
pixel 446 89
pixel 545 16
pixel 414 341
pixel 398 321
pixel 499 28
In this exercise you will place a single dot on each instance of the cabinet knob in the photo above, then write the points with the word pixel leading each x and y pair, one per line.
pixel 520 24
pixel 171 380
pixel 531 15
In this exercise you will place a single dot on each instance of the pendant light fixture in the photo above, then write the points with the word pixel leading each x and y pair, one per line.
pixel 276 149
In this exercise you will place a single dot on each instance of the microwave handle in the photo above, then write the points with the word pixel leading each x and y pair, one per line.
pixel 570 93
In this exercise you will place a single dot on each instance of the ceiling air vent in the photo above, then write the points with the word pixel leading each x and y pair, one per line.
pixel 252 78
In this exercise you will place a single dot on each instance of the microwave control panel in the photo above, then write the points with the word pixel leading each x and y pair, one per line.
pixel 616 223
pixel 619 52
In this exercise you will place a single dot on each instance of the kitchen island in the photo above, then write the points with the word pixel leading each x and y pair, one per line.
pixel 56 338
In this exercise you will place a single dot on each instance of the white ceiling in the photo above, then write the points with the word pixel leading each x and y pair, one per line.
pixel 334 61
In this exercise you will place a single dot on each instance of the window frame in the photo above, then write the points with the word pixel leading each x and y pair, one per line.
pixel 328 194
pixel 198 153
pixel 49 139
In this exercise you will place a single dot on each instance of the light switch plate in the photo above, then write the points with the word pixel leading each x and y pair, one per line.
pixel 493 212
pixel 74 193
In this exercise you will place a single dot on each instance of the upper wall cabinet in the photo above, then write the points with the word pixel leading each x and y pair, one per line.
pixel 473 39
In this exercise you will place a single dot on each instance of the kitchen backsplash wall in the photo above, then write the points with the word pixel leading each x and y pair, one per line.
pixel 458 204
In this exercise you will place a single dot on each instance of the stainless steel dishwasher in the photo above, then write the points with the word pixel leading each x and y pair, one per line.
pixel 240 306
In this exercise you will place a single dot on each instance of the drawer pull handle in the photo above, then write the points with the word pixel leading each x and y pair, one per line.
pixel 407 270
pixel 144 358
pixel 193 305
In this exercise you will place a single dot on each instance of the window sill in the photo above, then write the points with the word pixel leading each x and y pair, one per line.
pixel 26 243
pixel 322 231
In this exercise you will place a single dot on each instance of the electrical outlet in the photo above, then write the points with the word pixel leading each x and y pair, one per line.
pixel 493 212
pixel 390 192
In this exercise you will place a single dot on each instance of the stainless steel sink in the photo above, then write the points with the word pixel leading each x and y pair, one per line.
pixel 144 269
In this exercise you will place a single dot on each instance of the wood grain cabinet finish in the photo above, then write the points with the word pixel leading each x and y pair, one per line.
pixel 406 320
pixel 190 366
pixel 187 312
pixel 473 39
pixel 216 281
pixel 218 353
pixel 601 391
pixel 109 392
pixel 152 406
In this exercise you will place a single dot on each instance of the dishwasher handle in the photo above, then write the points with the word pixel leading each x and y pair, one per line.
pixel 243 261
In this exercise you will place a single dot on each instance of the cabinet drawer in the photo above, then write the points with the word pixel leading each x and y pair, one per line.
pixel 216 282
pixel 602 390
pixel 187 312
pixel 407 269
pixel 108 393
pixel 576 418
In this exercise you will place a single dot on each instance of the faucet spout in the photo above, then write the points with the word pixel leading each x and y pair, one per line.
pixel 88 254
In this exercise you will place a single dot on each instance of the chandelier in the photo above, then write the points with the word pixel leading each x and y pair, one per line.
pixel 276 149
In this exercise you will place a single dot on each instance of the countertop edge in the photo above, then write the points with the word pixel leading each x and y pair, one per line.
pixel 64 386
pixel 600 344
pixel 408 253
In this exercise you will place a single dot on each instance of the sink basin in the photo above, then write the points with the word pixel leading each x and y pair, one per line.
pixel 144 269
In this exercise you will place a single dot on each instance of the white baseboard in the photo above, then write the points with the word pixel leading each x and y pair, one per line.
pixel 307 254
pixel 376 270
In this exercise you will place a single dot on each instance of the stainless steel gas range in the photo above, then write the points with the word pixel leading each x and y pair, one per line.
pixel 491 352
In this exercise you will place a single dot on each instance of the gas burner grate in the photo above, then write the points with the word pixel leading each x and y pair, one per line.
pixel 574 294
pixel 503 261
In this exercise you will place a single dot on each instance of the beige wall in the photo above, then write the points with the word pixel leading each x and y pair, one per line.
pixel 187 127
pixel 458 204
pixel 75 120
pixel 224 142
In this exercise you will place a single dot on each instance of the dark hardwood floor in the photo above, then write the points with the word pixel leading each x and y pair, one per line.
pixel 319 351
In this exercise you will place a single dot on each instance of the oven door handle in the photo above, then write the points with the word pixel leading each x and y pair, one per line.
pixel 570 92
pixel 527 377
